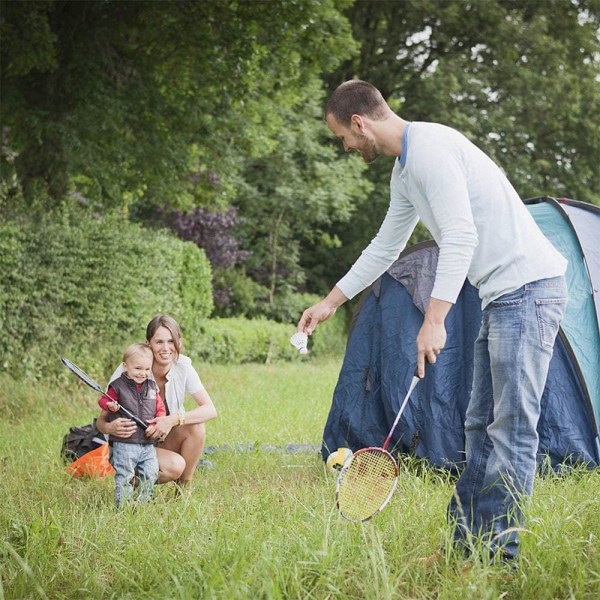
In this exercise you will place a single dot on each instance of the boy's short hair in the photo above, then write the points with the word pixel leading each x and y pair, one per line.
pixel 134 349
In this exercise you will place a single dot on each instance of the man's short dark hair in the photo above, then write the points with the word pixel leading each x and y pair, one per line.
pixel 356 97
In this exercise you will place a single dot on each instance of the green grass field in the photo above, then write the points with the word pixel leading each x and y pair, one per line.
pixel 262 523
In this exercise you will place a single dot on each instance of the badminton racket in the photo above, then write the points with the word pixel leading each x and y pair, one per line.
pixel 369 477
pixel 96 386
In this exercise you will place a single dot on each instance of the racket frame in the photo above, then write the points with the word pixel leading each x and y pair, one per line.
pixel 83 376
pixel 346 466
pixel 382 449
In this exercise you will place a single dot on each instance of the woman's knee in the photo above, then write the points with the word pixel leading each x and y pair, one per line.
pixel 170 467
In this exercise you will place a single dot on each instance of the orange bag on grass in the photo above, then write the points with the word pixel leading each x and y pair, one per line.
pixel 92 464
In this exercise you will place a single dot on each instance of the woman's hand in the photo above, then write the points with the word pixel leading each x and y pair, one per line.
pixel 120 427
pixel 160 427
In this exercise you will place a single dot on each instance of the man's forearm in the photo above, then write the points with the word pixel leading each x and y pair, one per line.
pixel 335 298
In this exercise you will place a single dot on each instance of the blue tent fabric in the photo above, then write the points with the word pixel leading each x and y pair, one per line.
pixel 585 219
pixel 380 360
pixel 569 231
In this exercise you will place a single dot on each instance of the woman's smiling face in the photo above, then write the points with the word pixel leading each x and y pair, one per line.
pixel 164 347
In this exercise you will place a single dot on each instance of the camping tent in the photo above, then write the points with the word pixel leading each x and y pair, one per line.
pixel 380 356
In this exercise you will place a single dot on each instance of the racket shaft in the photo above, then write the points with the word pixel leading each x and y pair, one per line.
pixel 366 483
pixel 413 384
pixel 131 416
pixel 128 413
pixel 83 376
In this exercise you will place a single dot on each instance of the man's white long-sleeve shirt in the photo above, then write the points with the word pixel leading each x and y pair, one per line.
pixel 483 230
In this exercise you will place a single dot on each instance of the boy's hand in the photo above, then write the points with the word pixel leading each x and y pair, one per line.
pixel 113 406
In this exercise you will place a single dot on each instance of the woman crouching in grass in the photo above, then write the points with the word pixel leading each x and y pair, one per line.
pixel 181 435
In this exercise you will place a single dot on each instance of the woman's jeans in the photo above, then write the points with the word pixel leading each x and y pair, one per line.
pixel 129 460
pixel 512 355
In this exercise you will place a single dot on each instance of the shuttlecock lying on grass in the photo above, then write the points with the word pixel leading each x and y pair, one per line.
pixel 336 460
pixel 300 340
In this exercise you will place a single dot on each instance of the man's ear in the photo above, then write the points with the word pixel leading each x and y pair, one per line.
pixel 357 122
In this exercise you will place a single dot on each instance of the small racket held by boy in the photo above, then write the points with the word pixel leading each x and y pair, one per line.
pixel 96 386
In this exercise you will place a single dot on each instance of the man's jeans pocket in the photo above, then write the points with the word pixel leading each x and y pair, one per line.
pixel 549 315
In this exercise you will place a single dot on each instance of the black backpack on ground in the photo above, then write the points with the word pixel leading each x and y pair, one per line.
pixel 80 441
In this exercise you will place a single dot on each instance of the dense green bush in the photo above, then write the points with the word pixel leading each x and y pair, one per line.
pixel 240 340
pixel 287 306
pixel 237 295
pixel 84 287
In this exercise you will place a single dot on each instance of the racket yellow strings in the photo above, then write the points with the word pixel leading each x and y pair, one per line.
pixel 366 484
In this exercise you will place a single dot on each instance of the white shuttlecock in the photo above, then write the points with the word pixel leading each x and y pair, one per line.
pixel 300 340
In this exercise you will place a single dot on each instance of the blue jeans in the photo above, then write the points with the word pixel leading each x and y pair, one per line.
pixel 512 355
pixel 126 459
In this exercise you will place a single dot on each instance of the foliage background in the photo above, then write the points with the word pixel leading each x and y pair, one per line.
pixel 129 126
pixel 172 156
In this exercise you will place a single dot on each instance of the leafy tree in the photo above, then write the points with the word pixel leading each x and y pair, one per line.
pixel 213 231
pixel 287 199
pixel 121 100
pixel 292 196
pixel 177 104
pixel 520 78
